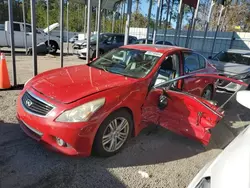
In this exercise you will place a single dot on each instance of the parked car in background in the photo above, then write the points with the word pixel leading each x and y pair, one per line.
pixel 164 43
pixel 143 41
pixel 20 39
pixel 150 41
pixel 108 41
pixel 99 106
pixel 233 63
pixel 231 167
pixel 73 39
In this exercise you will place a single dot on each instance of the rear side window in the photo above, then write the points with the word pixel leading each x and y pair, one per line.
pixel 191 62
pixel 202 62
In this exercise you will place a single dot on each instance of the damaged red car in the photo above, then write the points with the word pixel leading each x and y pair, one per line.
pixel 97 107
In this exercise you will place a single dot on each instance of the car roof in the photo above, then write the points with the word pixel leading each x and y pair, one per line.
pixel 116 34
pixel 238 51
pixel 154 47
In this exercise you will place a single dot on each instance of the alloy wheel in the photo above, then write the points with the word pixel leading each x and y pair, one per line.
pixel 115 134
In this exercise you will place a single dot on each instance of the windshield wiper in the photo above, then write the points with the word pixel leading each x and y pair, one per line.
pixel 123 74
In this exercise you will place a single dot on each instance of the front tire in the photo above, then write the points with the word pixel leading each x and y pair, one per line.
pixel 113 133
pixel 53 47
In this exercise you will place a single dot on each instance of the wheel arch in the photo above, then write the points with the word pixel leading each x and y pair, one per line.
pixel 127 109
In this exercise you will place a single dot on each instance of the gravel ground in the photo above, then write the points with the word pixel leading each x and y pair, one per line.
pixel 169 159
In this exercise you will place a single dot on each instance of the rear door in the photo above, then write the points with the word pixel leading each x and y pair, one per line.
pixel 194 63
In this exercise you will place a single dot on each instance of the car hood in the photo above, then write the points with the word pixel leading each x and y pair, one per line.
pixel 51 27
pixel 232 167
pixel 231 68
pixel 69 84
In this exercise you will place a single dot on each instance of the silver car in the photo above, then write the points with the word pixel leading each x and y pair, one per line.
pixel 232 63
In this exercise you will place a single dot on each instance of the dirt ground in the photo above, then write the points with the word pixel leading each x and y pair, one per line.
pixel 169 159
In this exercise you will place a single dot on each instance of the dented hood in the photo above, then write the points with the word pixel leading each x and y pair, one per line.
pixel 231 68
pixel 69 84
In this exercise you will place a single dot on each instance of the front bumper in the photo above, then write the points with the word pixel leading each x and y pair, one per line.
pixel 78 136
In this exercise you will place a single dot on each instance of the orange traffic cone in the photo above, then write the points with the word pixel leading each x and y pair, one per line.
pixel 4 75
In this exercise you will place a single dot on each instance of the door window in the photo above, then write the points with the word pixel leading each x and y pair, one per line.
pixel 118 39
pixel 202 62
pixel 17 27
pixel 109 40
pixel 169 69
pixel 28 28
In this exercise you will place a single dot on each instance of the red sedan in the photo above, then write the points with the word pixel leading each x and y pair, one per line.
pixel 98 106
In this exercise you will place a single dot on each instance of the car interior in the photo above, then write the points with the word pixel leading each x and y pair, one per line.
pixel 169 69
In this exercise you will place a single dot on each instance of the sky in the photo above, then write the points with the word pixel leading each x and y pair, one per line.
pixel 144 6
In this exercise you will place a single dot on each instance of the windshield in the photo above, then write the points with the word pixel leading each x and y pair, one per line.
pixel 128 62
pixel 232 58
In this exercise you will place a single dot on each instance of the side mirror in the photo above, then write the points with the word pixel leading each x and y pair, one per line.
pixel 163 101
pixel 210 57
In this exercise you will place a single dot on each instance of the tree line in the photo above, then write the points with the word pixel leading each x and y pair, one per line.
pixel 235 14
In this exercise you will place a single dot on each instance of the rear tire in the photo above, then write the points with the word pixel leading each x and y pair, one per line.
pixel 113 133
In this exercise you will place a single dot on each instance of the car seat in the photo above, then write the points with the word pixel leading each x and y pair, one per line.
pixel 166 71
pixel 134 60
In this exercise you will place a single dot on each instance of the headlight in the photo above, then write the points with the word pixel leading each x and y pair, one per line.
pixel 27 81
pixel 204 183
pixel 81 113
pixel 241 76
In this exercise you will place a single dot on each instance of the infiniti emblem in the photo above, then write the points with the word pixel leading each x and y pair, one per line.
pixel 28 102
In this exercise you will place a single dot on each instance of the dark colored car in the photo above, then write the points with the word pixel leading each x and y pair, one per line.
pixel 164 43
pixel 150 41
pixel 108 41
pixel 143 41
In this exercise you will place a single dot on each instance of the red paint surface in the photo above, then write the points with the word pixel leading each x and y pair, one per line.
pixel 70 87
